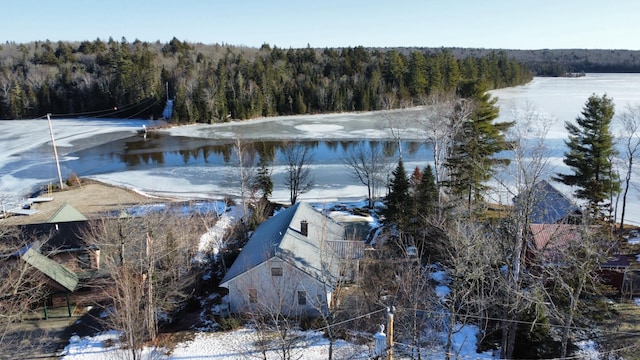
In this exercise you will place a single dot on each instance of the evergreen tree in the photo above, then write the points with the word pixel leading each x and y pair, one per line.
pixel 399 198
pixel 263 183
pixel 426 193
pixel 472 159
pixel 590 153
pixel 213 83
pixel 416 76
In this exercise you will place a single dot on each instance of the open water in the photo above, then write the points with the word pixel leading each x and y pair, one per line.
pixel 199 160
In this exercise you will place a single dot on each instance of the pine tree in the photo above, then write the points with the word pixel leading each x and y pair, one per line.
pixel 263 183
pixel 472 159
pixel 398 199
pixel 426 193
pixel 590 153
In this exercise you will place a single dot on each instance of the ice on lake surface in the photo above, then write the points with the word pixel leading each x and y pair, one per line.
pixel 26 158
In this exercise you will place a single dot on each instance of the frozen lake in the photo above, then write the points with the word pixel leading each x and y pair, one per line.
pixel 198 161
pixel 195 161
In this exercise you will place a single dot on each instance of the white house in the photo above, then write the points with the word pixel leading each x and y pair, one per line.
pixel 288 266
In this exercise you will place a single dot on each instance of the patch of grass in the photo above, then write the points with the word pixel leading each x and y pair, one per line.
pixel 620 332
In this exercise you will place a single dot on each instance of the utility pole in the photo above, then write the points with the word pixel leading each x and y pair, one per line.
pixel 390 312
pixel 55 151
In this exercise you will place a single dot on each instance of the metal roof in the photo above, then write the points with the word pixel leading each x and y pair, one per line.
pixel 53 270
pixel 66 213
pixel 550 206
pixel 281 236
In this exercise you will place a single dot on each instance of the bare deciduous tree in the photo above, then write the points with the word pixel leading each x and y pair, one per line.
pixel 245 160
pixel 630 140
pixel 471 252
pixel 415 298
pixel 150 262
pixel 529 166
pixel 580 257
pixel 369 165
pixel 443 118
pixel 21 290
pixel 298 178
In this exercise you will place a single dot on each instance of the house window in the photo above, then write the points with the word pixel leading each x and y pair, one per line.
pixel 84 262
pixel 302 298
pixel 276 271
pixel 253 296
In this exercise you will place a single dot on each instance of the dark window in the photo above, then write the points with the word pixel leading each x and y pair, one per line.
pixel 253 296
pixel 276 271
pixel 302 298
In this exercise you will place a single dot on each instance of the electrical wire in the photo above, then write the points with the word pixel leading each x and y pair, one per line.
pixel 458 356
pixel 348 320
pixel 110 111
pixel 612 351
pixel 636 333
pixel 143 110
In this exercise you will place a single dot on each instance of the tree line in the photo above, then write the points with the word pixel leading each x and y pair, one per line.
pixel 214 83
pixel 560 62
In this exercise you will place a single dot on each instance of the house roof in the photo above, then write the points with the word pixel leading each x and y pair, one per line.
pixel 549 205
pixel 281 236
pixel 66 213
pixel 552 239
pixel 617 262
pixel 59 273
pixel 550 236
pixel 64 236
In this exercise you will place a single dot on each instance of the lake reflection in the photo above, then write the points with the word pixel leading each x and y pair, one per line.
pixel 161 150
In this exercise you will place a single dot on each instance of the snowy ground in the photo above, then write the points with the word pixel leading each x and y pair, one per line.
pixel 239 344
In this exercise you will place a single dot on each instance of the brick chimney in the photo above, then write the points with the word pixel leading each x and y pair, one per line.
pixel 304 227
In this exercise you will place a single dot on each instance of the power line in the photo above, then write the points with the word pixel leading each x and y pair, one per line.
pixel 109 111
pixel 145 109
pixel 349 320
pixel 636 333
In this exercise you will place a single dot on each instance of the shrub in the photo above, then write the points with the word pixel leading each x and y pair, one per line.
pixel 229 323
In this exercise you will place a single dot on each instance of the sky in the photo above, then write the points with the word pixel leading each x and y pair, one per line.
pixel 505 24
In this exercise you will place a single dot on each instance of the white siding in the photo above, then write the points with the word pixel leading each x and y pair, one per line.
pixel 277 294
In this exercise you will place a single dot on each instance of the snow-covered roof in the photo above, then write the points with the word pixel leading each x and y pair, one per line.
pixel 283 236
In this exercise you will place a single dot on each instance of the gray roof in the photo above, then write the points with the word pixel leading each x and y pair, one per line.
pixel 281 237
pixel 59 273
pixel 66 213
pixel 550 206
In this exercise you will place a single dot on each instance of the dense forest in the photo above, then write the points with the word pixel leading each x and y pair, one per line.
pixel 214 83
pixel 560 62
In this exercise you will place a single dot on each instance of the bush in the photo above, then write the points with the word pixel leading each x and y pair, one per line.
pixel 311 323
pixel 229 323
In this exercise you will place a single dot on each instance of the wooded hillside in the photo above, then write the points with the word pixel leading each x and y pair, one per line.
pixel 558 62
pixel 213 83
